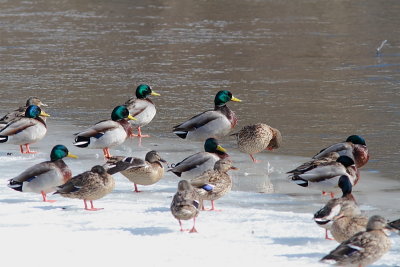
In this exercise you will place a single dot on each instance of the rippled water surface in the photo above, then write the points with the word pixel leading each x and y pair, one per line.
pixel 308 68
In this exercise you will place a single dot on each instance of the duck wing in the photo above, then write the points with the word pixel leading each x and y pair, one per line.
pixel 191 162
pixel 136 106
pixel 17 125
pixel 118 164
pixel 341 148
pixel 323 172
pixel 198 120
pixel 34 171
pixel 351 248
pixel 100 127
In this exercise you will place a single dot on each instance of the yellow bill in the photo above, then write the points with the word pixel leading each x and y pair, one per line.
pixel 221 149
pixel 236 99
pixel 132 118
pixel 44 114
pixel 72 156
pixel 155 94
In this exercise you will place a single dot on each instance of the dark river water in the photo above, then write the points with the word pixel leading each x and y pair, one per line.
pixel 308 67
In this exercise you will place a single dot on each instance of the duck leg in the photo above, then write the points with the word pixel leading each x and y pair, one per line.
pixel 27 151
pixel 136 189
pixel 180 224
pixel 193 230
pixel 327 236
pixel 254 160
pixel 45 197
pixel 106 152
pixel 92 208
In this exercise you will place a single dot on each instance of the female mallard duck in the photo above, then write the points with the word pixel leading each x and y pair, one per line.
pixel 255 138
pixel 107 133
pixel 364 248
pixel 212 123
pixel 326 176
pixel 88 186
pixel 198 163
pixel 324 217
pixel 354 147
pixel 46 176
pixel 138 171
pixel 20 112
pixel 348 222
pixel 214 184
pixel 141 107
pixel 185 204
pixel 25 130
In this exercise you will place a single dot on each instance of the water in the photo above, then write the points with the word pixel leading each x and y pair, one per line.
pixel 308 68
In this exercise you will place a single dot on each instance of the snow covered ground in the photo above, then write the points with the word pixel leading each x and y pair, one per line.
pixel 253 229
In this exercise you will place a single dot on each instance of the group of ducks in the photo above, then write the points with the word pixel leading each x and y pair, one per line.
pixel 205 174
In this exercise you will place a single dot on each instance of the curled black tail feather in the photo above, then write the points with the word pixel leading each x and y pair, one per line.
pixel 82 141
pixel 15 185
pixel 3 138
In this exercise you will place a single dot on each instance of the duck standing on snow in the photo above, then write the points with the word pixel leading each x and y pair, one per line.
pixel 214 184
pixel 200 162
pixel 88 186
pixel 20 112
pixel 138 171
pixel 44 177
pixel 364 248
pixel 354 147
pixel 107 133
pixel 255 138
pixel 324 217
pixel 25 130
pixel 326 176
pixel 185 204
pixel 212 123
pixel 142 108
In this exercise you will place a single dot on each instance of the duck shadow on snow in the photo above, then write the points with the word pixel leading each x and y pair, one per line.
pixel 150 231
pixel 295 241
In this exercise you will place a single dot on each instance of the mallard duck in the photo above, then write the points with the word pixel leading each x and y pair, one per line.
pixel 88 186
pixel 142 108
pixel 348 222
pixel 20 112
pixel 214 184
pixel 363 248
pixel 326 175
pixel 324 217
pixel 107 133
pixel 138 171
pixel 185 204
pixel 212 123
pixel 354 147
pixel 44 177
pixel 25 130
pixel 198 163
pixel 255 138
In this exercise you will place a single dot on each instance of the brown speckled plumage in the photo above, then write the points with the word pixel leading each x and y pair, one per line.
pixel 363 248
pixel 20 112
pixel 185 203
pixel 255 138
pixel 90 185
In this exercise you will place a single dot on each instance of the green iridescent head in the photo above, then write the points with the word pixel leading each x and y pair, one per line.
pixel 34 111
pixel 59 152
pixel 144 90
pixel 121 112
pixel 224 96
pixel 356 139
pixel 211 145
pixel 345 185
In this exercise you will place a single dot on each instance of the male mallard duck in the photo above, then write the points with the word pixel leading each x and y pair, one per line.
pixel 25 130
pixel 214 184
pixel 198 163
pixel 141 107
pixel 212 123
pixel 138 171
pixel 324 217
pixel 363 248
pixel 107 133
pixel 20 112
pixel 255 138
pixel 348 222
pixel 326 175
pixel 88 186
pixel 354 147
pixel 185 204
pixel 46 176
